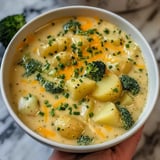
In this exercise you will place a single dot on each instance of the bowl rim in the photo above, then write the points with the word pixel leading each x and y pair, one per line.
pixel 67 147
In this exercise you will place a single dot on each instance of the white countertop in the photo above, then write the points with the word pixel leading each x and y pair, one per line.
pixel 15 144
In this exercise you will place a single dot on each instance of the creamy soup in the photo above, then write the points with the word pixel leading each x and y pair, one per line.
pixel 79 80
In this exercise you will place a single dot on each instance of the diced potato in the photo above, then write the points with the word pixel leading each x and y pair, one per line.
pixel 80 41
pixel 61 57
pixel 108 89
pixel 115 39
pixel 87 109
pixel 60 44
pixel 63 43
pixel 119 64
pixel 133 50
pixel 28 105
pixel 125 66
pixel 80 87
pixel 46 49
pixel 126 99
pixel 108 115
pixel 69 127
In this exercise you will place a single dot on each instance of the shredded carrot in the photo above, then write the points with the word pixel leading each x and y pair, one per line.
pixel 42 89
pixel 27 40
pixel 45 132
pixel 30 38
pixel 96 18
pixel 140 66
pixel 34 82
pixel 24 81
pixel 100 133
pixel 35 50
pixel 86 23
pixel 20 46
pixel 67 71
pixel 58 102
pixel 108 128
pixel 114 47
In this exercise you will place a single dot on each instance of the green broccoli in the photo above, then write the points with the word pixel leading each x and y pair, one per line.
pixel 52 87
pixel 30 65
pixel 84 140
pixel 95 70
pixel 126 117
pixel 130 84
pixel 72 25
pixel 9 26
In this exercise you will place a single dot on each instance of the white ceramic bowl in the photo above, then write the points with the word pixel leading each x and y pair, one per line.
pixel 43 19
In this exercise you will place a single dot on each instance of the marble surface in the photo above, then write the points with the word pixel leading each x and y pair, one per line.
pixel 15 144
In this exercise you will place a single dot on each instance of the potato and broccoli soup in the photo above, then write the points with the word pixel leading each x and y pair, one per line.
pixel 79 81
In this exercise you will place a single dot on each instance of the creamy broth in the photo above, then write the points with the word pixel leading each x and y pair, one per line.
pixel 58 93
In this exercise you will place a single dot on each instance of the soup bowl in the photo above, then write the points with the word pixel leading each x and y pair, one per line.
pixel 38 22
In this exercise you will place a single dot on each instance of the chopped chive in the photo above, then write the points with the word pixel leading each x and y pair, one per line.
pixel 52 112
pixel 41 113
pixel 76 113
pixel 91 114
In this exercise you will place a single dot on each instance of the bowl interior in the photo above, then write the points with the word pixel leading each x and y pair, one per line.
pixel 148 55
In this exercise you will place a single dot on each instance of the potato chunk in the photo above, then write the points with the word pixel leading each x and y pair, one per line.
pixel 28 105
pixel 46 49
pixel 119 64
pixel 80 41
pixel 126 99
pixel 87 109
pixel 58 45
pixel 108 115
pixel 80 87
pixel 69 127
pixel 61 57
pixel 108 89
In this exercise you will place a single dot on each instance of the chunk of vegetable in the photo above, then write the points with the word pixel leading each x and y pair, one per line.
pixel 30 65
pixel 58 45
pixel 80 87
pixel 130 84
pixel 61 57
pixel 69 127
pixel 80 41
pixel 133 50
pixel 9 27
pixel 108 115
pixel 72 25
pixel 87 109
pixel 84 140
pixel 95 70
pixel 126 117
pixel 119 64
pixel 62 43
pixel 52 87
pixel 108 89
pixel 126 100
pixel 28 105
pixel 46 49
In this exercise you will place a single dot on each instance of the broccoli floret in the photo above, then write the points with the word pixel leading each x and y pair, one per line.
pixel 95 70
pixel 30 65
pixel 9 26
pixel 49 86
pixel 126 117
pixel 73 26
pixel 130 84
pixel 84 140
